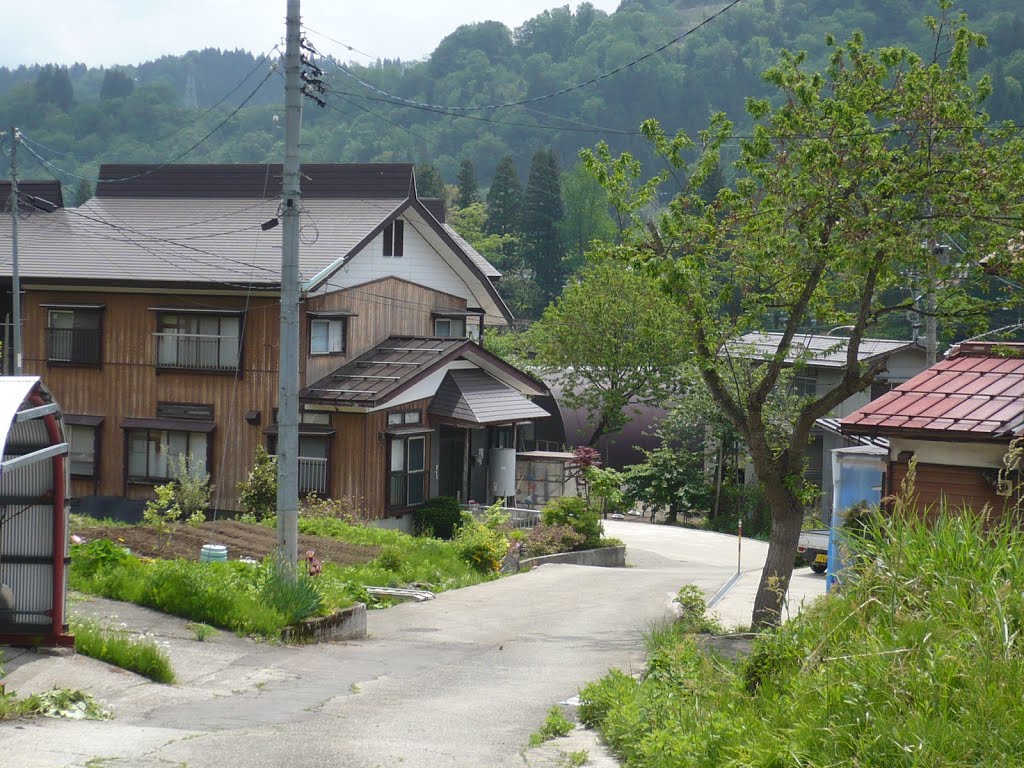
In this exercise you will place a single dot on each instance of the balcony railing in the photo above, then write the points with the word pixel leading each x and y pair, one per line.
pixel 82 346
pixel 313 474
pixel 197 351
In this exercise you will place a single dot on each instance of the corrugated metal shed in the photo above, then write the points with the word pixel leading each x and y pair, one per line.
pixel 475 397
pixel 33 515
pixel 976 394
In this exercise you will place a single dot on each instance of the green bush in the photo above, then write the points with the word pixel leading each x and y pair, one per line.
pixel 439 517
pixel 574 512
pixel 914 661
pixel 481 546
pixel 257 494
pixel 120 648
pixel 552 539
pixel 555 726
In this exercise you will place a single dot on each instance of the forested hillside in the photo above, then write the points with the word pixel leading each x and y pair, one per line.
pixel 716 67
pixel 465 101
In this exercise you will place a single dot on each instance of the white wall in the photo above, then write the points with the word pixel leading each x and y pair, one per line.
pixel 952 454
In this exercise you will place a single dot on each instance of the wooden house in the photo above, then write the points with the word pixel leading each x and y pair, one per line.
pixel 957 419
pixel 153 311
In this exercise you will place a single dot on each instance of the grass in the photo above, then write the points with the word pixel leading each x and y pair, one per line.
pixel 255 599
pixel 916 661
pixel 555 726
pixel 123 650
pixel 203 632
pixel 58 702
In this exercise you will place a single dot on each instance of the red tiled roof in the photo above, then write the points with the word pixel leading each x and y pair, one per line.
pixel 975 394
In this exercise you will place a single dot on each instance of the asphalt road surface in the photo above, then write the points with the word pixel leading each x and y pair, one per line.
pixel 462 680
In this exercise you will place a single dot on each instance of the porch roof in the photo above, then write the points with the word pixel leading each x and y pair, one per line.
pixel 476 397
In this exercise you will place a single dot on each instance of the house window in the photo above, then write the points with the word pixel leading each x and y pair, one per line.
pixel 806 384
pixel 407 475
pixel 394 238
pixel 154 454
pixel 450 326
pixel 82 440
pixel 74 336
pixel 400 418
pixel 198 342
pixel 327 336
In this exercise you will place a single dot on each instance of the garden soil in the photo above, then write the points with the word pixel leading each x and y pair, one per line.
pixel 241 539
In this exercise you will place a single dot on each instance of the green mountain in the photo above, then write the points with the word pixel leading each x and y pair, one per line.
pixel 172 108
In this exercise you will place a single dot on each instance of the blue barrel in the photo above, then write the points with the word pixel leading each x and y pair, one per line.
pixel 213 553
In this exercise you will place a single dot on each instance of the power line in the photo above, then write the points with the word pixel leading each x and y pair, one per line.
pixel 553 94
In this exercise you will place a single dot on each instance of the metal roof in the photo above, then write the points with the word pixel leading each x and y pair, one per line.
pixel 813 350
pixel 476 397
pixel 255 181
pixel 44 195
pixel 475 256
pixel 834 426
pixel 975 394
pixel 394 365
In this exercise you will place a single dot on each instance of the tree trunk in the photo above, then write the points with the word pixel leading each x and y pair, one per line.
pixel 673 515
pixel 787 520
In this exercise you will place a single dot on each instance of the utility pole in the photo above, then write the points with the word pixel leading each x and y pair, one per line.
pixel 288 393
pixel 931 321
pixel 15 276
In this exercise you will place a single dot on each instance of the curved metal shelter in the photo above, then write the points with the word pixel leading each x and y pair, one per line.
pixel 34 478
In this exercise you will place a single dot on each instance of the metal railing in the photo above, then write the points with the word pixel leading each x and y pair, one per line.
pixel 523 519
pixel 74 345
pixel 198 351
pixel 312 475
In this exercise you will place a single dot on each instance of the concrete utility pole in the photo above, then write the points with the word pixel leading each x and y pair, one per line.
pixel 288 398
pixel 15 276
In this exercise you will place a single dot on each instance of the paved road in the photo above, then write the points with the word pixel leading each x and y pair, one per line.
pixel 458 681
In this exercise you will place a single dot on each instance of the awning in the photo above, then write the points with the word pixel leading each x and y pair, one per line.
pixel 173 425
pixel 475 397
pixel 82 420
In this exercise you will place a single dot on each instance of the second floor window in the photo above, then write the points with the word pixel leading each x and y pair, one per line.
pixel 327 336
pixel 74 336
pixel 394 238
pixel 201 342
pixel 450 326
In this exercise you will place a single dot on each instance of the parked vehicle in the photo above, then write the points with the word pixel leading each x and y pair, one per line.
pixel 813 547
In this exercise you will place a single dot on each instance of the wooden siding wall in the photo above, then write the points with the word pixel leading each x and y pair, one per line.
pixel 128 385
pixel 386 307
pixel 359 463
pixel 960 488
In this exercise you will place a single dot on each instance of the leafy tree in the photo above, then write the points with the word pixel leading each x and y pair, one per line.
pixel 586 217
pixel 670 478
pixel 116 85
pixel 466 182
pixel 612 339
pixel 428 181
pixel 848 171
pixel 542 218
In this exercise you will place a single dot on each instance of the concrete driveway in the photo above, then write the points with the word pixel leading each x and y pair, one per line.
pixel 462 680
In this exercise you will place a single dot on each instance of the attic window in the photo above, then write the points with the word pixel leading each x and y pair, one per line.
pixel 394 238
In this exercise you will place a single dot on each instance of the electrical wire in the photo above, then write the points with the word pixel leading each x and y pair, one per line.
pixel 559 92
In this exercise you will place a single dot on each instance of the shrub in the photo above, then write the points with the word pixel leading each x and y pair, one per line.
pixel 346 508
pixel 121 649
pixel 574 512
pixel 480 546
pixel 257 494
pixel 439 517
pixel 552 539
pixel 390 558
pixel 693 611
pixel 186 497
pixel 94 556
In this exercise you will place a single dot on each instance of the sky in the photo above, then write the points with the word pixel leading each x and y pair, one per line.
pixel 107 32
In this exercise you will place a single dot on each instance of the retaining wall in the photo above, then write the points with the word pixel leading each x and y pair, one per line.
pixel 606 557
pixel 346 624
